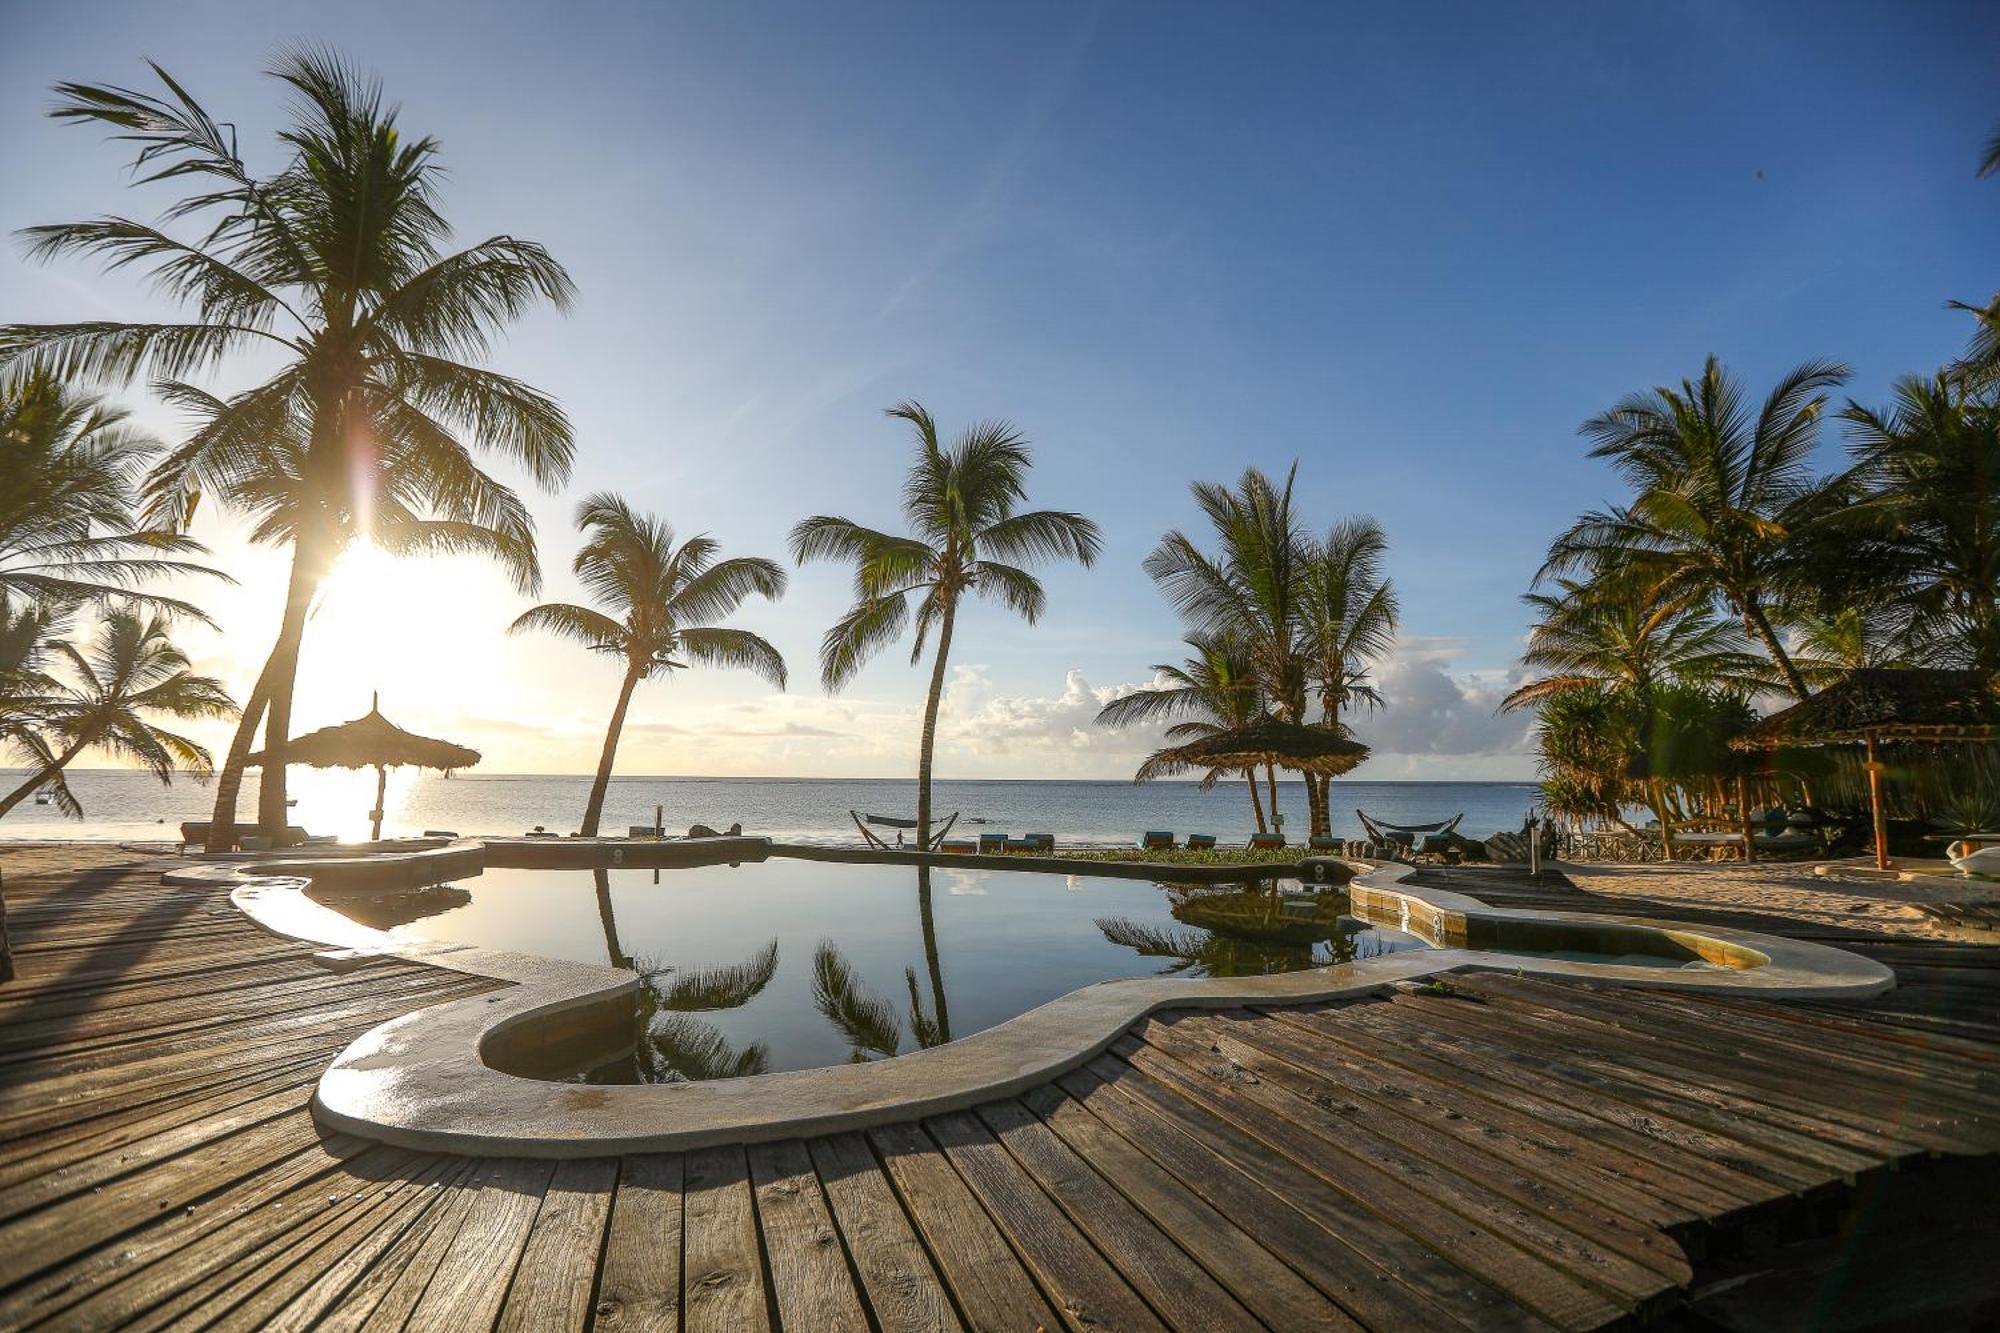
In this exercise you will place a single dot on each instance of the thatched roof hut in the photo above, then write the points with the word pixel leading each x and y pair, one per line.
pixel 373 741
pixel 1268 740
pixel 1886 704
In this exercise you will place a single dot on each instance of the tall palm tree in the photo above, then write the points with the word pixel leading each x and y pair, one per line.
pixel 662 601
pixel 336 265
pixel 1722 495
pixel 69 470
pixel 1252 588
pixel 131 672
pixel 966 539
pixel 30 697
pixel 1630 634
pixel 1928 468
pixel 1213 691
pixel 1349 614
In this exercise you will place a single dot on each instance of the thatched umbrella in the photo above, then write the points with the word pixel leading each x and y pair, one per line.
pixel 373 741
pixel 1881 704
pixel 1268 740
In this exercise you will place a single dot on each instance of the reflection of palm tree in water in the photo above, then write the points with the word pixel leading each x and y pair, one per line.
pixel 673 1045
pixel 1248 931
pixel 868 1021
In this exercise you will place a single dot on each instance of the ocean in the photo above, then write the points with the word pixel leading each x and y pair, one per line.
pixel 134 806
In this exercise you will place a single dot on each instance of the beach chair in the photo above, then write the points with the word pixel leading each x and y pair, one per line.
pixel 992 842
pixel 1320 843
pixel 960 846
pixel 1156 842
pixel 1201 842
pixel 1040 842
pixel 1266 842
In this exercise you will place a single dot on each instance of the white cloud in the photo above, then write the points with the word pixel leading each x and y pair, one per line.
pixel 1430 711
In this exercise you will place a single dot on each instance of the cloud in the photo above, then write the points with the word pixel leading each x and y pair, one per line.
pixel 1427 710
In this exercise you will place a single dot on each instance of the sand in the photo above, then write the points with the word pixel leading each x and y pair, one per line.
pixel 1794 891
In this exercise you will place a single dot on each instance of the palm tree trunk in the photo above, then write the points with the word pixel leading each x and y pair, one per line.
pixel 1271 783
pixel 6 950
pixel 228 786
pixel 595 809
pixel 282 674
pixel 608 921
pixel 1256 803
pixel 43 774
pixel 1760 629
pixel 931 961
pixel 929 741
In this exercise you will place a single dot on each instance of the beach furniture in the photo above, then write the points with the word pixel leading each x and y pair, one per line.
pixel 1408 835
pixel 961 846
pixel 1156 842
pixel 876 840
pixel 992 842
pixel 1201 842
pixel 1041 842
pixel 1266 842
pixel 195 833
pixel 1322 843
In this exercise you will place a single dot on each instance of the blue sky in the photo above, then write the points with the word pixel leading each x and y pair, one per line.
pixel 1410 246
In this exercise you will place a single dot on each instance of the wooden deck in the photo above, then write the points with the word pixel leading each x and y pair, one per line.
pixel 1504 1154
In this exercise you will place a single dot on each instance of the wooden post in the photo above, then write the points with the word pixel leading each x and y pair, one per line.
pixel 1743 814
pixel 6 953
pixel 659 821
pixel 1875 800
pixel 381 788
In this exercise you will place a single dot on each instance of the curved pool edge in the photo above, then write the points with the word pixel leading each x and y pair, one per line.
pixel 423 1080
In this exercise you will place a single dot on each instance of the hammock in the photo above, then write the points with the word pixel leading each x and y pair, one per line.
pixel 874 839
pixel 1380 829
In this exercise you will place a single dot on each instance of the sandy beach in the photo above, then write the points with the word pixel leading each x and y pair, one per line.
pixel 1794 891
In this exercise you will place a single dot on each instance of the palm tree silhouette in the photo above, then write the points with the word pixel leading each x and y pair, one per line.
pixel 662 600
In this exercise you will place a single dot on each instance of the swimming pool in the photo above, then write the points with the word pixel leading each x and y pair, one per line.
pixel 796 964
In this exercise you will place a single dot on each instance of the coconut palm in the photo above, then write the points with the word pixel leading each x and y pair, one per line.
pixel 1213 691
pixel 336 266
pixel 1348 615
pixel 662 600
pixel 1630 634
pixel 130 673
pixel 966 539
pixel 1723 495
pixel 1252 588
pixel 70 464
pixel 1929 516
pixel 30 698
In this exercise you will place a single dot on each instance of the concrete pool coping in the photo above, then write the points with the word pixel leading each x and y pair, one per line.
pixel 428 1080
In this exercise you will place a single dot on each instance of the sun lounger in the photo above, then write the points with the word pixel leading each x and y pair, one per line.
pixel 1041 842
pixel 1323 844
pixel 1156 842
pixel 1266 842
pixel 196 832
pixel 992 842
pixel 960 846
pixel 1201 842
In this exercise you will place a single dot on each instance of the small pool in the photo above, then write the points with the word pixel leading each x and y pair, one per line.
pixel 795 964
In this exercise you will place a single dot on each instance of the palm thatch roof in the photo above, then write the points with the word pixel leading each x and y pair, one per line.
pixel 1268 740
pixel 372 741
pixel 1910 704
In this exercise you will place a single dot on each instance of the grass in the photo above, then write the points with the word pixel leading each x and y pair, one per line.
pixel 1220 856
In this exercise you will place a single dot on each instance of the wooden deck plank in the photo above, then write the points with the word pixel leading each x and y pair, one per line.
pixel 901 1285
pixel 472 1279
pixel 992 1289
pixel 557 1275
pixel 1183 1293
pixel 810 1282
pixel 640 1288
pixel 1254 1275
pixel 1086 1290
pixel 722 1281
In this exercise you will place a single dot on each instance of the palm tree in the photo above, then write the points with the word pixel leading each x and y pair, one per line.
pixel 1349 614
pixel 336 265
pixel 966 538
pixel 1632 635
pixel 130 672
pixel 69 468
pixel 662 601
pixel 1253 588
pixel 30 698
pixel 1213 691
pixel 1723 495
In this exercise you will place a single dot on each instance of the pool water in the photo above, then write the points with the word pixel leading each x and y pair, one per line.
pixel 795 964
